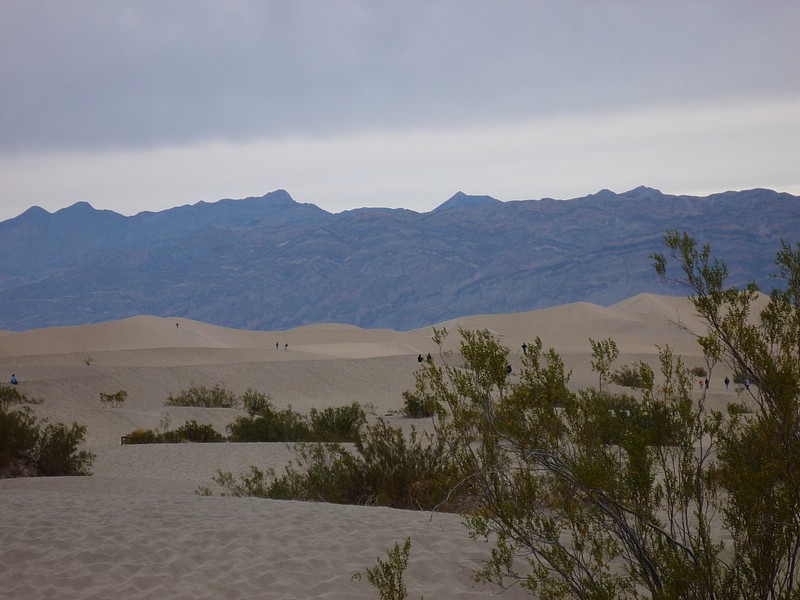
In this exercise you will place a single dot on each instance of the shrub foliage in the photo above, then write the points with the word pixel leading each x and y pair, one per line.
pixel 33 447
pixel 201 396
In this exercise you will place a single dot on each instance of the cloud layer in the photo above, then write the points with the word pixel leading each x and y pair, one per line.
pixel 400 101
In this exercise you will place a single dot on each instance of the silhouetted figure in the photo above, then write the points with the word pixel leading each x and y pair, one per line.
pixel 14 379
pixel 524 348
pixel 508 369
pixel 286 347
pixel 747 384
pixel 430 358
pixel 419 358
pixel 276 345
pixel 727 382
pixel 706 382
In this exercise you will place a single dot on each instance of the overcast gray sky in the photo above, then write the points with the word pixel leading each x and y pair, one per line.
pixel 144 105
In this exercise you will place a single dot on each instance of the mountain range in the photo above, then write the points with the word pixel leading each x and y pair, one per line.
pixel 273 263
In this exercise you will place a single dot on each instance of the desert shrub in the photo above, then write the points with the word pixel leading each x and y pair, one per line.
pixel 416 406
pixel 32 447
pixel 10 395
pixel 384 468
pixel 143 436
pixel 628 376
pixel 270 425
pixel 337 423
pixel 256 403
pixel 698 371
pixel 201 396
pixel 387 575
pixel 190 431
pixel 116 399
pixel 267 424
pixel 19 434
pixel 57 451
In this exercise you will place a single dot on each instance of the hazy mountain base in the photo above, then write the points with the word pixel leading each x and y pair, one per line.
pixel 272 263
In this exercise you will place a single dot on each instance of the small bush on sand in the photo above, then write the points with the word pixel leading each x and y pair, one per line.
pixel 11 395
pixel 385 468
pixel 337 423
pixel 416 406
pixel 268 424
pixel 256 403
pixel 190 431
pixel 57 451
pixel 201 396
pixel 30 447
pixel 116 399
pixel 142 436
pixel 698 372
pixel 387 575
pixel 628 376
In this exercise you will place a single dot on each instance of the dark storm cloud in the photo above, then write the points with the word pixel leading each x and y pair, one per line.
pixel 94 75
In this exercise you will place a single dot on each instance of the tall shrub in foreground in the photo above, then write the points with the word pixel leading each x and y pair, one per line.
pixel 588 495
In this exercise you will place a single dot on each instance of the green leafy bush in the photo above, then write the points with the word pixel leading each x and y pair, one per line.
pixel 32 447
pixel 267 424
pixel 698 372
pixel 628 376
pixel 416 406
pixel 337 423
pixel 57 451
pixel 256 403
pixel 384 468
pixel 10 395
pixel 142 436
pixel 201 396
pixel 116 399
pixel 190 431
pixel 270 425
pixel 387 575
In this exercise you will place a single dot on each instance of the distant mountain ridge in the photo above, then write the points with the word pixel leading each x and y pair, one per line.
pixel 273 263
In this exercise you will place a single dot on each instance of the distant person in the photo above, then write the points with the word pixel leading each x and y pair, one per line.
pixel 286 347
pixel 430 358
pixel 747 384
pixel 508 369
pixel 276 346
pixel 727 382
pixel 14 379
pixel 706 382
pixel 524 348
pixel 177 324
pixel 419 358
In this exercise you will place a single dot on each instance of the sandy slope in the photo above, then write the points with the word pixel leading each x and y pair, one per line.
pixel 136 529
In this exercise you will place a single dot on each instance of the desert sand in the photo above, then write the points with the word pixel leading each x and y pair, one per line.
pixel 137 529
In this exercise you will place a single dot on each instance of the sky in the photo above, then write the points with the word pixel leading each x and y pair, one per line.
pixel 145 105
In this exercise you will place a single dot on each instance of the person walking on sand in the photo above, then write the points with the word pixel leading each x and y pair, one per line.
pixel 286 347
pixel 727 382
pixel 14 379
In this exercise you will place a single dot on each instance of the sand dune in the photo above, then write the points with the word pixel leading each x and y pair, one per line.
pixel 135 529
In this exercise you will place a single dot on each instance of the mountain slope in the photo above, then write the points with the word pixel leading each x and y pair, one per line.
pixel 272 263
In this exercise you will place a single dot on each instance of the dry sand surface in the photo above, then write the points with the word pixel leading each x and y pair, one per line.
pixel 136 529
